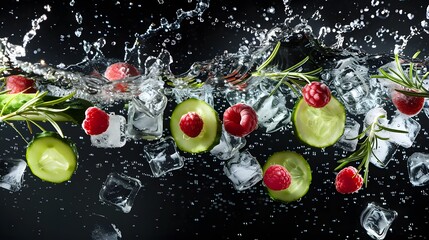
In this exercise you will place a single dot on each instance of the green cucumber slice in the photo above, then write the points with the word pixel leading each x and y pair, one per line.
pixel 319 127
pixel 210 134
pixel 51 157
pixel 300 171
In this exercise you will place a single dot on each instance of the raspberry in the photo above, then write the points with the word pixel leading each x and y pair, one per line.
pixel 120 70
pixel 191 124
pixel 96 121
pixel 348 180
pixel 240 120
pixel 408 105
pixel 277 177
pixel 316 94
pixel 18 83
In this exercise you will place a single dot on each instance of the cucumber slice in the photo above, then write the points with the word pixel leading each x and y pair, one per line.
pixel 319 127
pixel 51 157
pixel 210 134
pixel 300 171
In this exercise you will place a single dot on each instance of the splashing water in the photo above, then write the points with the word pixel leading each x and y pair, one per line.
pixel 350 47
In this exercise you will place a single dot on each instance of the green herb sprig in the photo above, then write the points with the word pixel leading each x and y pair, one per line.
pixel 291 77
pixel 369 141
pixel 37 107
pixel 410 80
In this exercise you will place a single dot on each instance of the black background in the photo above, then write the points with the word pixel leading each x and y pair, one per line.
pixel 198 201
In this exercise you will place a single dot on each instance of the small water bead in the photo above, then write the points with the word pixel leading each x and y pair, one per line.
pixel 382 13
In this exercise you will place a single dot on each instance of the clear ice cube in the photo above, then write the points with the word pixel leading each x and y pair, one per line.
pixel 354 86
pixel 273 115
pixel 402 122
pixel 251 95
pixel 163 156
pixel 418 168
pixel 204 93
pixel 228 146
pixel 348 140
pixel 12 174
pixel 243 170
pixel 103 229
pixel 120 190
pixel 384 152
pixel 377 220
pixel 145 116
pixel 114 136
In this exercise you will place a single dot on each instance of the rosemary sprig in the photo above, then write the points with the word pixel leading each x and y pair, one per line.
pixel 410 80
pixel 369 140
pixel 291 77
pixel 35 107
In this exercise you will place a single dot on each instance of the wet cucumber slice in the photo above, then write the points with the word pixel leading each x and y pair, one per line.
pixel 300 171
pixel 319 127
pixel 51 157
pixel 210 134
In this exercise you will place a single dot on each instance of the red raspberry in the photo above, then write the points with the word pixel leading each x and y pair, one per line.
pixel 121 70
pixel 18 83
pixel 316 94
pixel 191 124
pixel 240 120
pixel 348 180
pixel 277 177
pixel 407 105
pixel 96 121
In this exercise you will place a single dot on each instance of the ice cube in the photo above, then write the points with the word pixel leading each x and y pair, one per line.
pixel 252 94
pixel 273 115
pixel 348 140
pixel 204 93
pixel 402 122
pixel 354 86
pixel 228 146
pixel 102 229
pixel 377 220
pixel 12 173
pixel 418 169
pixel 243 170
pixel 114 136
pixel 120 190
pixel 152 102
pixel 145 120
pixel 382 153
pixel 163 156
pixel 374 113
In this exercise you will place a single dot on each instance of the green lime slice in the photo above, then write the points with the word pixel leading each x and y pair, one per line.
pixel 319 127
pixel 300 171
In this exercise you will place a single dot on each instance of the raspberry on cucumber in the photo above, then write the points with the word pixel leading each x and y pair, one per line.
pixel 207 138
pixel 300 173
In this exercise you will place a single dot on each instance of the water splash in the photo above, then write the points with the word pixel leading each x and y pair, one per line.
pixel 35 25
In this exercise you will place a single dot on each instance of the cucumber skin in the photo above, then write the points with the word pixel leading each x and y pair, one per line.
pixel 67 141
pixel 296 131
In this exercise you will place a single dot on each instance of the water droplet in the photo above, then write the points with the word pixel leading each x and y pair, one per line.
pixel 367 38
pixel 375 3
pixel 78 17
pixel 382 13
